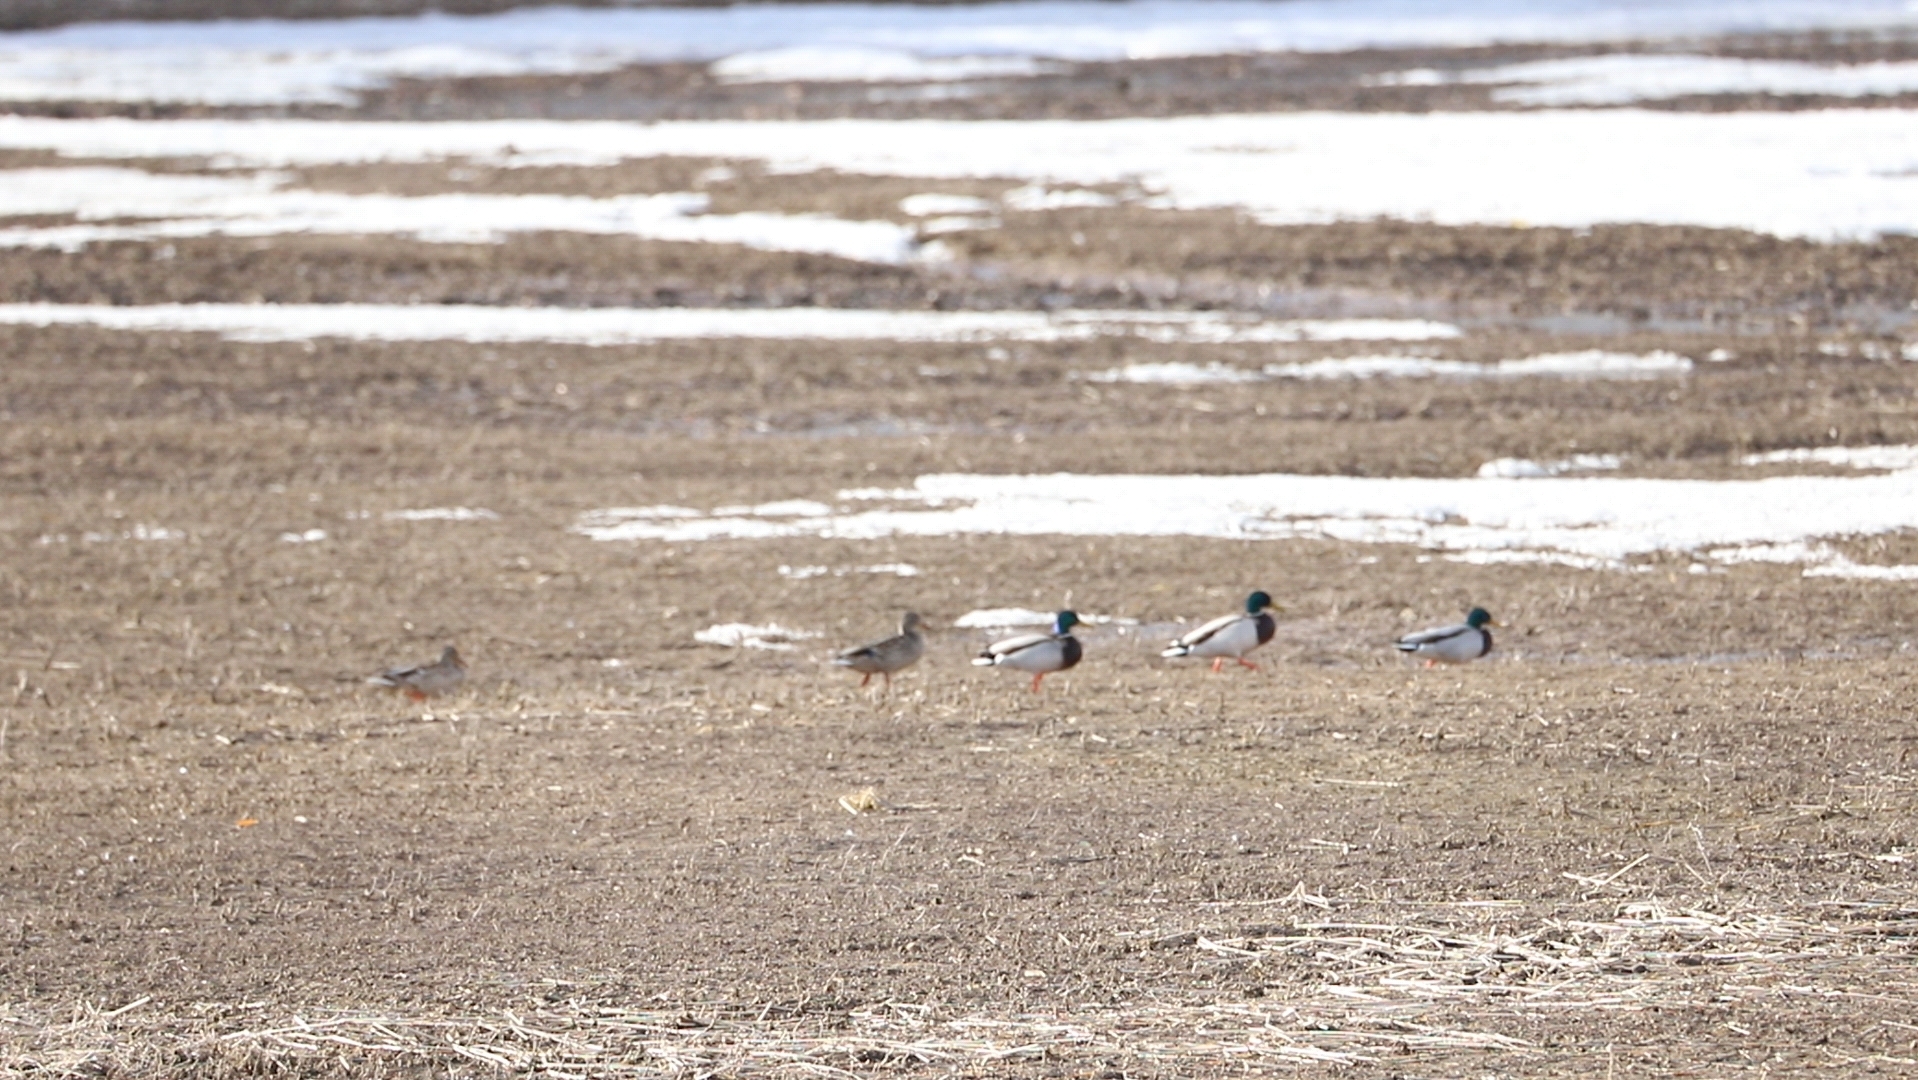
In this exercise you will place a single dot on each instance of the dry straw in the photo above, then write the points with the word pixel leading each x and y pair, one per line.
pixel 1331 992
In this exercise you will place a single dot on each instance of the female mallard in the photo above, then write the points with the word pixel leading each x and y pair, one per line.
pixel 422 681
pixel 896 653
pixel 1457 644
pixel 1041 654
pixel 1230 636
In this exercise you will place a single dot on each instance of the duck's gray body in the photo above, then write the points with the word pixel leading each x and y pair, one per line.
pixel 422 681
pixel 1040 654
pixel 1456 644
pixel 1228 637
pixel 882 658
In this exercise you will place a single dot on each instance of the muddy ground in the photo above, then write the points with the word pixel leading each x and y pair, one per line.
pixel 1666 829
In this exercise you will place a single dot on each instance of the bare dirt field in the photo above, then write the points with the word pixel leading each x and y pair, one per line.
pixel 1666 829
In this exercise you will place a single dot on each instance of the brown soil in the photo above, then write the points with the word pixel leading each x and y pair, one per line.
pixel 1667 827
pixel 1632 278
pixel 666 834
pixel 572 842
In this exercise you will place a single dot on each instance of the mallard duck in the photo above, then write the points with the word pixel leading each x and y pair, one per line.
pixel 1041 654
pixel 1455 644
pixel 1230 637
pixel 900 651
pixel 422 681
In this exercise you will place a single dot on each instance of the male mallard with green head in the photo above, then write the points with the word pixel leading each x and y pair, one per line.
pixel 882 658
pixel 1455 644
pixel 1230 637
pixel 1041 654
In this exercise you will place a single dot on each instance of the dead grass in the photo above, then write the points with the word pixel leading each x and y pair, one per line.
pixel 1329 993
pixel 1667 827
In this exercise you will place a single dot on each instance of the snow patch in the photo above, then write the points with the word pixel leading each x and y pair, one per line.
pixel 442 513
pixel 854 64
pixel 1176 373
pixel 1621 79
pixel 1891 458
pixel 933 204
pixel 148 206
pixel 626 326
pixel 1828 175
pixel 1820 560
pixel 1545 558
pixel 1598 518
pixel 1012 617
pixel 801 573
pixel 332 61
pixel 771 636
pixel 138 532
pixel 1038 197
pixel 1587 364
pixel 1590 364
pixel 1526 469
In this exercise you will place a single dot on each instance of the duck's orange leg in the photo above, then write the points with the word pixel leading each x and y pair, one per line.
pixel 1243 662
pixel 1218 664
pixel 1035 681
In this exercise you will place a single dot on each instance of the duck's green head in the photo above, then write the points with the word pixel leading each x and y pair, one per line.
pixel 1479 617
pixel 1258 602
pixel 1065 622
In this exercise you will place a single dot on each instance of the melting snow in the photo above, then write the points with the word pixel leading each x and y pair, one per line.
pixel 854 64
pixel 801 573
pixel 1525 469
pixel 1834 174
pixel 149 206
pixel 1176 374
pixel 1036 197
pixel 747 636
pixel 1620 79
pixel 1858 457
pixel 1009 617
pixel 138 532
pixel 1590 364
pixel 442 513
pixel 277 62
pixel 933 203
pixel 622 326
pixel 1606 520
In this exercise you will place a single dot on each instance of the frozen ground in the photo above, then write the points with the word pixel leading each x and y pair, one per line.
pixel 366 322
pixel 1823 175
pixel 1516 512
pixel 1103 318
pixel 320 61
